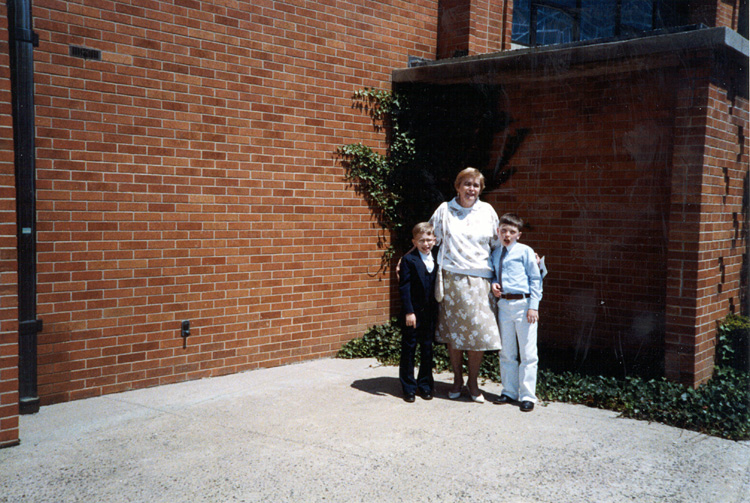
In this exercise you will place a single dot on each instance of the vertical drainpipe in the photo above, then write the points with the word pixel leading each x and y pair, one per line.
pixel 22 41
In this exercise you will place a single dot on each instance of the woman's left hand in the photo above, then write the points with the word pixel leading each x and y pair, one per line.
pixel 532 316
pixel 496 290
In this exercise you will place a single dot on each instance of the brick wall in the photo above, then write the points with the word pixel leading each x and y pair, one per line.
pixel 592 182
pixel 707 230
pixel 729 13
pixel 453 27
pixel 489 30
pixel 630 176
pixel 190 175
pixel 718 13
pixel 8 267
pixel 684 224
pixel 474 26
pixel 724 210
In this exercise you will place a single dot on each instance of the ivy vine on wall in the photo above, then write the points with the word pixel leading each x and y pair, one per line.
pixel 433 131
pixel 375 175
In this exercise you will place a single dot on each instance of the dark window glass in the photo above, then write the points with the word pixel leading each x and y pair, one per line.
pixel 545 22
pixel 520 34
pixel 598 19
pixel 553 26
pixel 637 16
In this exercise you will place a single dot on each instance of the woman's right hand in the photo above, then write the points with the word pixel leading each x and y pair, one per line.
pixel 398 264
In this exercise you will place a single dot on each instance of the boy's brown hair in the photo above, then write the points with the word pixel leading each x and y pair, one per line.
pixel 422 228
pixel 512 219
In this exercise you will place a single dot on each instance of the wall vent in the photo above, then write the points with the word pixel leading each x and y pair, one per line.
pixel 85 53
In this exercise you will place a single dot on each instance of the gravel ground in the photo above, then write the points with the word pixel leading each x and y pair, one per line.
pixel 337 431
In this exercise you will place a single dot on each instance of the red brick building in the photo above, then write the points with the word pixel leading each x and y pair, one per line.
pixel 186 171
pixel 630 189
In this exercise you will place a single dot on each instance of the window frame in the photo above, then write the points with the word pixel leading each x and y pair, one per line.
pixel 575 14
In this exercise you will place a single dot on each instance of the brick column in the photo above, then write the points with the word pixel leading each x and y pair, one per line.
pixel 706 239
pixel 8 264
pixel 491 23
pixel 470 27
pixel 686 244
pixel 718 13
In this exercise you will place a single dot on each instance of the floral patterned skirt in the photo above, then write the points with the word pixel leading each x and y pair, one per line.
pixel 466 318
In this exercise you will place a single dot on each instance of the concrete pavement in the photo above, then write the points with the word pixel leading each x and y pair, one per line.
pixel 337 431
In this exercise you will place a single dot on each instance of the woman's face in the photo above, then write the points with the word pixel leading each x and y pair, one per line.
pixel 468 192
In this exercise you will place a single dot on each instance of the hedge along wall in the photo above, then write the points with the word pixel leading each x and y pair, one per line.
pixel 8 266
pixel 190 175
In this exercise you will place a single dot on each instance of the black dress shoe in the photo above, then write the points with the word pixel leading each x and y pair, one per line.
pixel 527 406
pixel 409 397
pixel 503 399
pixel 425 395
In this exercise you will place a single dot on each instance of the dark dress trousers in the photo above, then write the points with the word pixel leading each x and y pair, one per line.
pixel 417 289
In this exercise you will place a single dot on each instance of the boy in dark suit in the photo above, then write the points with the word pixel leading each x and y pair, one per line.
pixel 417 274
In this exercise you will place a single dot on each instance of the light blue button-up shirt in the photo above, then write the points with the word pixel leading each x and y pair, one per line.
pixel 520 272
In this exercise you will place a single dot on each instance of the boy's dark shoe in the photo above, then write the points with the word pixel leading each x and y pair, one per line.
pixel 425 395
pixel 504 399
pixel 527 406
pixel 409 397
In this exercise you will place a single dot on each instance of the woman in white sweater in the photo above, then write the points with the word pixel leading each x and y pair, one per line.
pixel 466 230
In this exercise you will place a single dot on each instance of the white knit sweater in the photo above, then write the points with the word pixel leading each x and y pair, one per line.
pixel 468 238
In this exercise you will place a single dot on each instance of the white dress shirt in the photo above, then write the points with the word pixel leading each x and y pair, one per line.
pixel 429 262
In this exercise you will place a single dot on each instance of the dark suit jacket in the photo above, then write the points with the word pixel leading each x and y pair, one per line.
pixel 417 288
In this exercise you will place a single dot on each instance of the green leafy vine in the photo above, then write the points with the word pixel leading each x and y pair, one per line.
pixel 377 175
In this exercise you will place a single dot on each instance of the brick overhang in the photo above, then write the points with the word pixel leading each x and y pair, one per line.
pixel 578 59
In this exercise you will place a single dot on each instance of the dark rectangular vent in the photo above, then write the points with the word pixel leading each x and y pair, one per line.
pixel 85 53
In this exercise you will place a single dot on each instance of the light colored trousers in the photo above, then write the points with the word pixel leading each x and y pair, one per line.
pixel 519 339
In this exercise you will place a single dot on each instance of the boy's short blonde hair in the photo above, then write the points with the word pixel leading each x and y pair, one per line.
pixel 422 228
pixel 469 173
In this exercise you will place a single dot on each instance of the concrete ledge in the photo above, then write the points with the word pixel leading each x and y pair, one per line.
pixel 469 68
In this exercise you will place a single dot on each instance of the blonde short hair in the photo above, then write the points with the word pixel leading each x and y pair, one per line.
pixel 469 173
pixel 422 228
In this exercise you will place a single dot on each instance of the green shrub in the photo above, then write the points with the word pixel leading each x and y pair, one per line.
pixel 720 407
pixel 382 342
pixel 733 346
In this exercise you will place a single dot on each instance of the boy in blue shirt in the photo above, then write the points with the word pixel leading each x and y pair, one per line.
pixel 417 273
pixel 517 285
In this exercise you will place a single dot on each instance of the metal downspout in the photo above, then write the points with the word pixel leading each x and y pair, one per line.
pixel 22 41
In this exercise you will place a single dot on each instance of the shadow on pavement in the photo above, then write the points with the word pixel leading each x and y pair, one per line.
pixel 383 386
pixel 379 386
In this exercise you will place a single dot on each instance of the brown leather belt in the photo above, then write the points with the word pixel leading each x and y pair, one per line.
pixel 515 296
